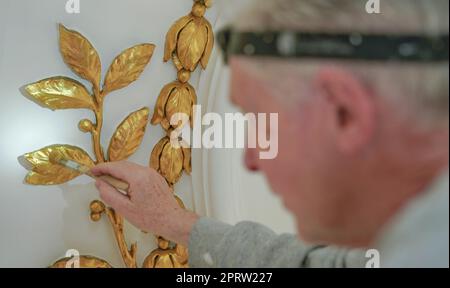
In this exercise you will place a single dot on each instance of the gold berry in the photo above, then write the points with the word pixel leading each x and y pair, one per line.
pixel 85 125
pixel 184 75
pixel 97 207
pixel 96 217
pixel 163 243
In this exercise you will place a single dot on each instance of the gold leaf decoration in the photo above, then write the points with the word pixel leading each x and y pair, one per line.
pixel 44 172
pixel 128 136
pixel 173 34
pixel 177 62
pixel 128 66
pixel 160 107
pixel 80 55
pixel 60 93
pixel 168 160
pixel 187 160
pixel 85 262
pixel 171 163
pixel 156 153
pixel 179 102
pixel 192 43
pixel 174 98
pixel 64 93
pixel 189 42
pixel 191 38
pixel 209 45
pixel 170 258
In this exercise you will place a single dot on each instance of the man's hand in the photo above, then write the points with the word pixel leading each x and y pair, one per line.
pixel 150 204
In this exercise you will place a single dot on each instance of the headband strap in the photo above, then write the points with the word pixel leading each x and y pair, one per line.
pixel 355 46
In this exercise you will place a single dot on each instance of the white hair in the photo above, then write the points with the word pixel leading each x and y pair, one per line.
pixel 422 87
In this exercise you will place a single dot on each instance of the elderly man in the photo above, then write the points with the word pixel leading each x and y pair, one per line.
pixel 363 139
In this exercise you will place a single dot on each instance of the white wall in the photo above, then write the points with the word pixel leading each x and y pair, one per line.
pixel 38 224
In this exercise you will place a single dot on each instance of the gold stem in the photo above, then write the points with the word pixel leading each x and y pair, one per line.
pixel 128 256
pixel 96 132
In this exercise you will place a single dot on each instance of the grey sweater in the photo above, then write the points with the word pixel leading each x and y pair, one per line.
pixel 417 237
pixel 251 245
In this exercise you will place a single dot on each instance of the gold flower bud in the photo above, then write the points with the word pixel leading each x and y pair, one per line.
pixel 86 125
pixel 175 98
pixel 170 160
pixel 191 38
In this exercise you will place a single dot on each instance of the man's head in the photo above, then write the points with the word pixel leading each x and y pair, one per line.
pixel 356 139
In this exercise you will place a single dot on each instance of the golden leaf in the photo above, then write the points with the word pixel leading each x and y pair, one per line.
pixel 85 262
pixel 167 160
pixel 173 34
pixel 192 43
pixel 193 98
pixel 174 98
pixel 80 55
pixel 160 107
pixel 171 163
pixel 156 153
pixel 128 66
pixel 60 93
pixel 187 160
pixel 209 45
pixel 128 136
pixel 193 39
pixel 177 62
pixel 179 201
pixel 178 102
pixel 44 172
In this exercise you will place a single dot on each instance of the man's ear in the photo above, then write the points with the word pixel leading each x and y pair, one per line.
pixel 352 105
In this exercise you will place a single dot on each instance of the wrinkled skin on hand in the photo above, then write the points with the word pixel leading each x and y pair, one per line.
pixel 150 204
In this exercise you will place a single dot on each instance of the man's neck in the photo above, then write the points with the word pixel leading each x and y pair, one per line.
pixel 405 172
pixel 409 174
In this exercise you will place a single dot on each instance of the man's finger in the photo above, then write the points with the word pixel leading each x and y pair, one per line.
pixel 112 197
pixel 121 170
